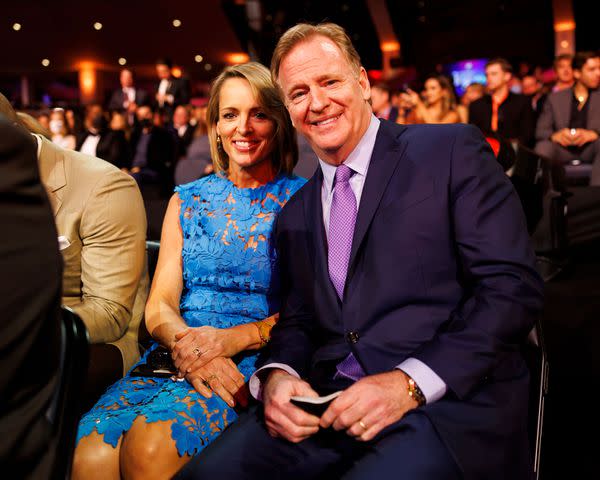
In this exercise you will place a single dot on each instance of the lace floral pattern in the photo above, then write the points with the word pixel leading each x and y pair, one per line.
pixel 229 273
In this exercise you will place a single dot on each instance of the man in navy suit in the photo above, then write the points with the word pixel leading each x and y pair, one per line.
pixel 408 282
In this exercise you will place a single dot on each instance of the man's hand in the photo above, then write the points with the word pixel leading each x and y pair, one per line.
pixel 223 378
pixel 370 405
pixel 282 418
pixel 563 137
pixel 584 136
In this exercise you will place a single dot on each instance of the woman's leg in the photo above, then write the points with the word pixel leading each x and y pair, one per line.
pixel 96 459
pixel 148 452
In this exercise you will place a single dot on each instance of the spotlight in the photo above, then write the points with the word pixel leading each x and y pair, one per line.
pixel 198 58
pixel 45 62
pixel 122 61
pixel 208 67
pixel 16 27
pixel 98 26
pixel 177 23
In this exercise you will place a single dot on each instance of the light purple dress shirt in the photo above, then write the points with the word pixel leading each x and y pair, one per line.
pixel 432 386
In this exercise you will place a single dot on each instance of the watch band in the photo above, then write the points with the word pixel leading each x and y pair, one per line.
pixel 415 392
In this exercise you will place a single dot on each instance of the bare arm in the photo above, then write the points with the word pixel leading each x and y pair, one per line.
pixel 163 318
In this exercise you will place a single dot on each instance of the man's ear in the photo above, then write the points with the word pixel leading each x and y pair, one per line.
pixel 365 86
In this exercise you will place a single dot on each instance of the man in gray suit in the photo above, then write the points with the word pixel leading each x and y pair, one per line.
pixel 569 127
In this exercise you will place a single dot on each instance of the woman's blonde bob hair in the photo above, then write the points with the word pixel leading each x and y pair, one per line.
pixel 284 155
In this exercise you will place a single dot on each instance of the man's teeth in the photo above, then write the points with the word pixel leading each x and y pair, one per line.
pixel 329 120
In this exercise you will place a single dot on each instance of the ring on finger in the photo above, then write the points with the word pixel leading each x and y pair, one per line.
pixel 363 425
pixel 196 351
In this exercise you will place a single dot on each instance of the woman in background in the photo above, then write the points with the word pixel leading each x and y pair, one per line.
pixel 59 129
pixel 438 106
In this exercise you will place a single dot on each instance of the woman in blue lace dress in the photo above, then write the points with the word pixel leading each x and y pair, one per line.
pixel 213 299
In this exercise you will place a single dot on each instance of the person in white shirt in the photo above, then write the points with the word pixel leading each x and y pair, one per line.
pixel 60 130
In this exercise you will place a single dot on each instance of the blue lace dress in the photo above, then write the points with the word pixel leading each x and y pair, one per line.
pixel 228 271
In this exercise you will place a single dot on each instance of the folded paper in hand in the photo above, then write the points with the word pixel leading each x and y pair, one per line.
pixel 315 405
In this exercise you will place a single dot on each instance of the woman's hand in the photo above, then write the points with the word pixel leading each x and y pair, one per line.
pixel 195 347
pixel 221 376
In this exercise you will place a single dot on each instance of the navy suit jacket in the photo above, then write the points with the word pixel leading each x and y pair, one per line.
pixel 441 270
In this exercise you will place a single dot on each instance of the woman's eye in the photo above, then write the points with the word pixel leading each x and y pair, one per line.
pixel 228 115
pixel 261 115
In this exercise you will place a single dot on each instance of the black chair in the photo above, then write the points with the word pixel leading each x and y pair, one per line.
pixel 537 361
pixel 63 412
pixel 542 189
pixel 152 250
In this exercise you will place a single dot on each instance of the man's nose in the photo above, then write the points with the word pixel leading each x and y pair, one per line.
pixel 318 100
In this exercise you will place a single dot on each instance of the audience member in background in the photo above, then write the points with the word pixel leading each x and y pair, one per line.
pixel 74 121
pixel 534 90
pixel 408 285
pixel 501 113
pixel 182 130
pixel 214 295
pixel 153 152
pixel 563 67
pixel 43 119
pixel 119 123
pixel 438 106
pixel 381 102
pixel 127 98
pixel 569 125
pixel 474 91
pixel 60 130
pixel 197 162
pixel 98 140
pixel 30 327
pixel 101 226
pixel 170 91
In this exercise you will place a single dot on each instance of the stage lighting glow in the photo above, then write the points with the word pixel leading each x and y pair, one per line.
pixel 45 62
pixel 122 61
pixel 177 23
pixel 208 67
pixel 198 58
pixel 98 26
pixel 16 27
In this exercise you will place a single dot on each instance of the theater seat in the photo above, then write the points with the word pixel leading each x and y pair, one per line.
pixel 63 413
pixel 535 356
pixel 152 249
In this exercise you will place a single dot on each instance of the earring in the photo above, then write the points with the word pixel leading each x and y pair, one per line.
pixel 219 143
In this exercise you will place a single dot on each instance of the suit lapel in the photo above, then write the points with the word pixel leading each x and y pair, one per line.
pixel 564 109
pixel 313 212
pixel 52 173
pixel 384 160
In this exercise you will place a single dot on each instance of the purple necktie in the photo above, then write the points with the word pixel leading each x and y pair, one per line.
pixel 342 219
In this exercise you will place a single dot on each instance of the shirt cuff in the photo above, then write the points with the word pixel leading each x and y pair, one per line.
pixel 255 383
pixel 432 386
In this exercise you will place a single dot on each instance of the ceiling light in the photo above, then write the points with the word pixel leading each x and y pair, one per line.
pixel 45 62
pixel 177 23
pixel 98 26
pixel 208 67
pixel 16 27
pixel 122 61
pixel 198 58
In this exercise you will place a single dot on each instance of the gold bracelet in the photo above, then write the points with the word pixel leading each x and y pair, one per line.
pixel 264 338
pixel 415 392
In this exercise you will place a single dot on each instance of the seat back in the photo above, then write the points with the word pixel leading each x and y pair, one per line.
pixel 535 356
pixel 152 251
pixel 63 412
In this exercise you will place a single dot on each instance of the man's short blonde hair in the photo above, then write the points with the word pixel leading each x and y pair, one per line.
pixel 304 31
pixel 285 149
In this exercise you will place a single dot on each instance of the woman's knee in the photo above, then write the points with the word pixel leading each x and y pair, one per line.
pixel 93 455
pixel 149 449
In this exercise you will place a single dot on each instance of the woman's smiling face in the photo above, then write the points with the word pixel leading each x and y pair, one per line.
pixel 245 129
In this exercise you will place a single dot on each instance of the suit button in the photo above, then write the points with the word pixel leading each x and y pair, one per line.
pixel 352 337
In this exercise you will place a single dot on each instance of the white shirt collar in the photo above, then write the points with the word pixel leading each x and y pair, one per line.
pixel 359 158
